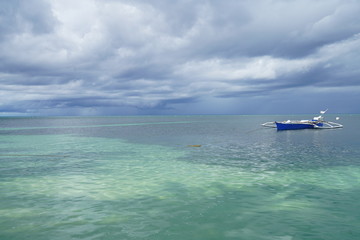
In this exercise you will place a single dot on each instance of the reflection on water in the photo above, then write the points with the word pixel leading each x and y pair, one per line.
pixel 124 181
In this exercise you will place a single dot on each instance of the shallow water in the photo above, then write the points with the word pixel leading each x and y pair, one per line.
pixel 137 178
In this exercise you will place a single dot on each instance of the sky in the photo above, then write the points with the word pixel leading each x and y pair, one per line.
pixel 162 57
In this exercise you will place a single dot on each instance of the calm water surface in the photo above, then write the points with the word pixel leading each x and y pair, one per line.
pixel 137 178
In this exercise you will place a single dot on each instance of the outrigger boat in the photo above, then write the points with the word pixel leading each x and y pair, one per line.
pixel 315 123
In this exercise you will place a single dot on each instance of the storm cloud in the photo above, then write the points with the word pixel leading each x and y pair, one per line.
pixel 108 57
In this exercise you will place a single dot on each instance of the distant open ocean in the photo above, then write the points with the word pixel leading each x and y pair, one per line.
pixel 137 177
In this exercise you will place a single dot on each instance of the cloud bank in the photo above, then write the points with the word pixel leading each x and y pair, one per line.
pixel 91 57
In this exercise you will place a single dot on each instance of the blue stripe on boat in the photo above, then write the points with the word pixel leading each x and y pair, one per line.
pixel 293 126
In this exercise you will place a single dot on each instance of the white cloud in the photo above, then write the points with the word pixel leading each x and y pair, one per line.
pixel 265 67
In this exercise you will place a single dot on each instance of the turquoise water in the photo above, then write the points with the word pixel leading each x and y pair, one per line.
pixel 137 178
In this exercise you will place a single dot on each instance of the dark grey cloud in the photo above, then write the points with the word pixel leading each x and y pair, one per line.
pixel 26 16
pixel 168 57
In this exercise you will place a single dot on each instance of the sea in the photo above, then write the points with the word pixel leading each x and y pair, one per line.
pixel 178 177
